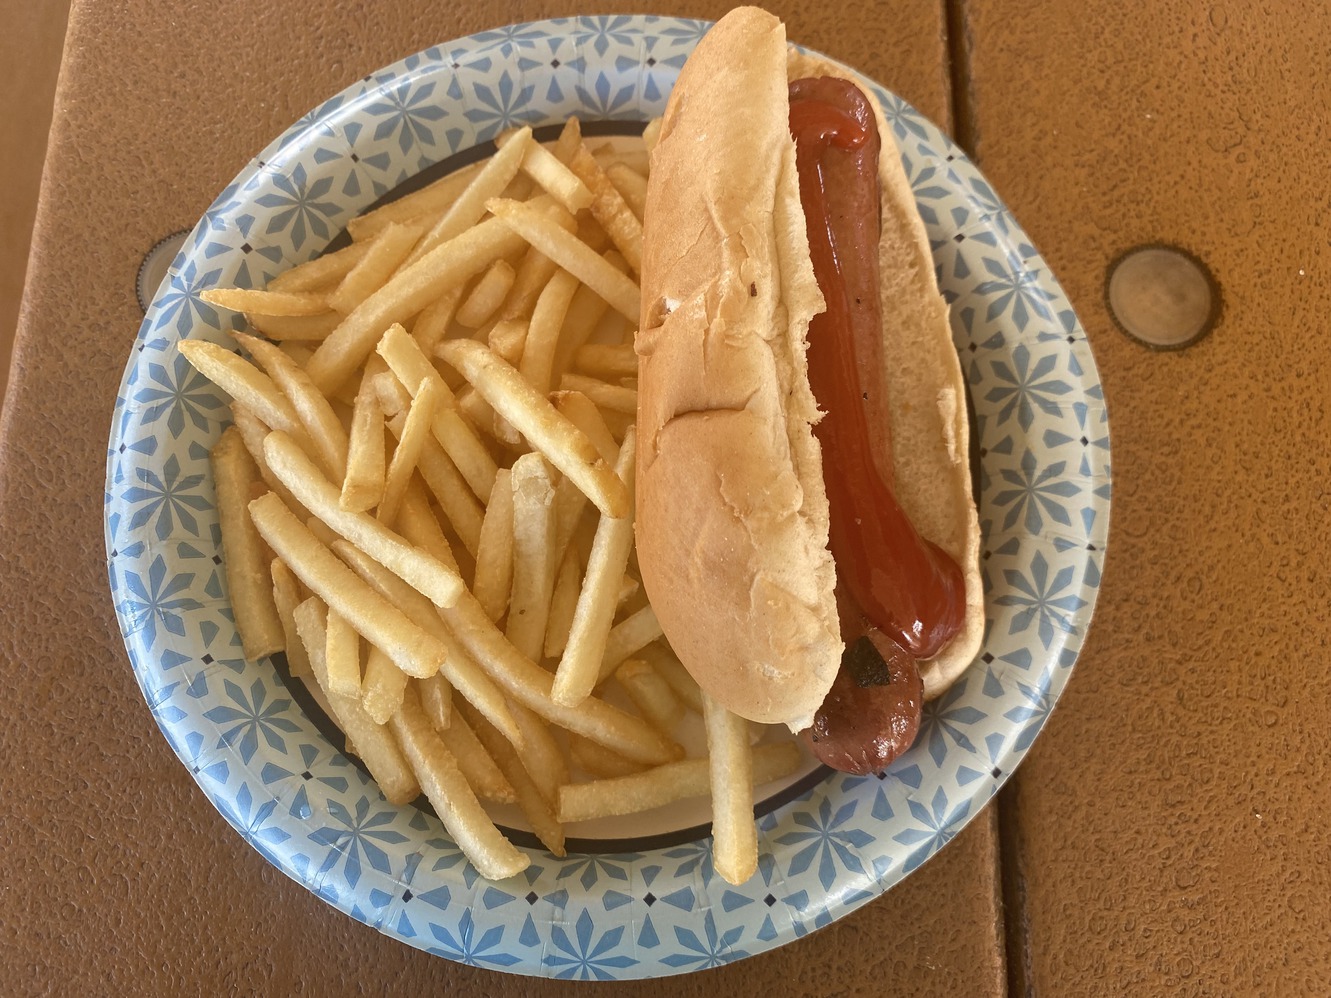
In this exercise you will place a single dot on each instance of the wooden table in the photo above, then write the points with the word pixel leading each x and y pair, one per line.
pixel 1168 831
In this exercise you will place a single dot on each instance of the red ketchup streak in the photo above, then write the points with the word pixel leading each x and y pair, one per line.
pixel 905 586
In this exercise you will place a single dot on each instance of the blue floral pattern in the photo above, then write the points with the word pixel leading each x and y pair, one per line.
pixel 1044 506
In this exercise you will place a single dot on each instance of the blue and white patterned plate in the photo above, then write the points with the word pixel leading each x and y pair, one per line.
pixel 1044 505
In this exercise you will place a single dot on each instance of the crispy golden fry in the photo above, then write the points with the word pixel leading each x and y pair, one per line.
pixel 627 590
pixel 632 187
pixel 431 325
pixel 437 701
pixel 415 651
pixel 581 411
pixel 322 532
pixel 476 765
pixel 670 669
pixel 431 201
pixel 454 801
pixel 406 456
pixel 538 810
pixel 246 563
pixel 457 438
pixel 342 656
pixel 295 328
pixel 533 274
pixel 534 561
pixel 390 248
pixel 375 744
pixel 609 208
pixel 628 637
pixel 320 273
pixel 451 491
pixel 541 756
pixel 382 686
pixel 315 413
pixel 488 294
pixel 266 302
pixel 527 683
pixel 246 384
pixel 616 398
pixel 494 554
pixel 650 693
pixel 558 440
pixel 428 575
pixel 581 665
pixel 607 361
pixel 458 667
pixel 563 604
pixel 421 527
pixel 507 339
pixel 585 313
pixel 635 159
pixel 568 252
pixel 538 352
pixel 286 597
pixel 599 760
pixel 411 289
pixel 651 134
pixel 497 173
pixel 555 178
pixel 666 784
pixel 363 484
pixel 731 768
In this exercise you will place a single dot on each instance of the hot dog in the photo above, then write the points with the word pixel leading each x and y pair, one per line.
pixel 805 525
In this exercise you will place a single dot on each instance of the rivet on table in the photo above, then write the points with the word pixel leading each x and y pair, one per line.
pixel 1162 296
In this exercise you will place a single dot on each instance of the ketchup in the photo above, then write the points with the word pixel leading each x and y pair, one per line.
pixel 907 587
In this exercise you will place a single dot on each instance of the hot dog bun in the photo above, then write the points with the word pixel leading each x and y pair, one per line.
pixel 732 512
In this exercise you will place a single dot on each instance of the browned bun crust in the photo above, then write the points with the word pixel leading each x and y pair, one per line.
pixel 732 517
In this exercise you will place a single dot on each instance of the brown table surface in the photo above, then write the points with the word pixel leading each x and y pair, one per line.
pixel 1167 833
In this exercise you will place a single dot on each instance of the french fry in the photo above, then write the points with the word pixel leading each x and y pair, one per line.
pixel 321 272
pixel 295 328
pixel 489 182
pixel 460 443
pixel 635 159
pixel 428 575
pixel 581 665
pixel 731 768
pixel 584 263
pixel 534 563
pixel 476 765
pixel 616 398
pixel 609 208
pixel 437 701
pixel 627 590
pixel 454 496
pixel 286 597
pixel 666 784
pixel 382 686
pixel 538 352
pixel 629 637
pixel 538 810
pixel 415 651
pixel 375 744
pixel 581 411
pixel 541 755
pixel 558 440
pixel 428 202
pixel 494 553
pixel 342 656
pixel 411 440
pixel 363 483
pixel 555 177
pixel 585 313
pixel 599 760
pixel 431 325
pixel 409 291
pixel 619 422
pixel 673 672
pixel 390 247
pixel 651 134
pixel 458 667
pixel 266 302
pixel 507 339
pixel 606 361
pixel 632 187
pixel 315 413
pixel 563 604
pixel 454 801
pixel 650 693
pixel 245 562
pixel 533 274
pixel 322 532
pixel 488 294
pixel 421 527
pixel 245 383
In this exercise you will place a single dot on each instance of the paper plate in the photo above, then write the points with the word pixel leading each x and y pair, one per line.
pixel 1044 505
